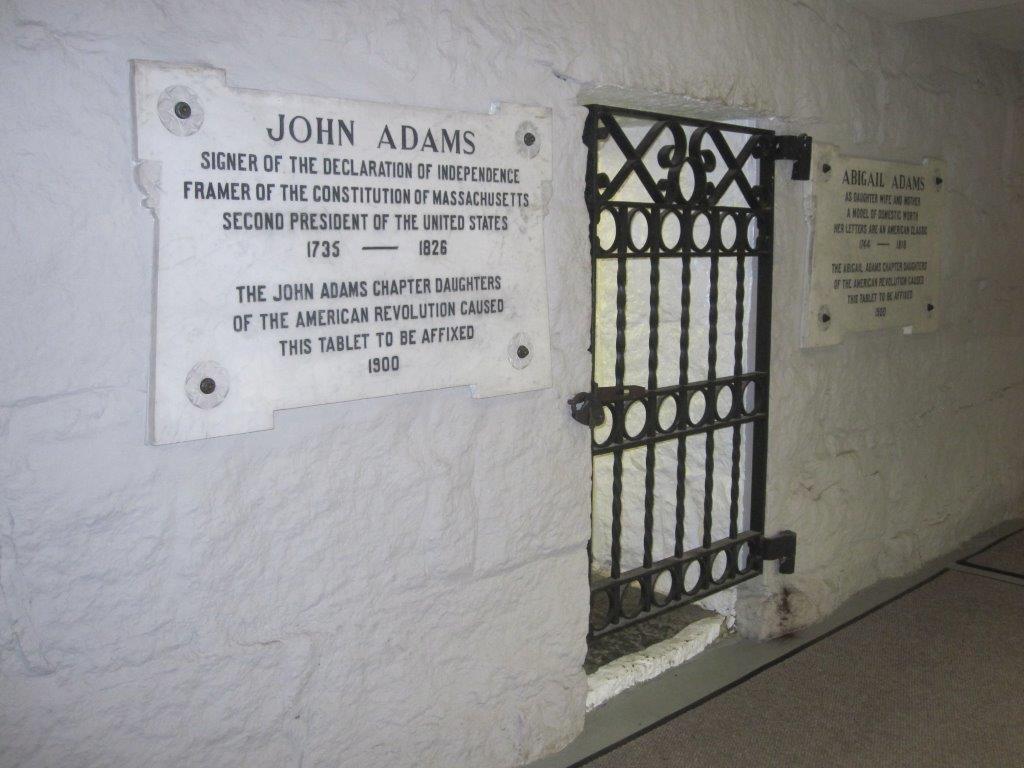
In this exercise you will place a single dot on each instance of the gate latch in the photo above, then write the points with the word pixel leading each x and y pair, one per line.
pixel 781 547
pixel 797 149
pixel 588 407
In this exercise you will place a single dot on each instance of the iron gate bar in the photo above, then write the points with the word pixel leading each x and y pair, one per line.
pixel 655 432
pixel 704 587
pixel 744 551
pixel 748 537
pixel 680 119
pixel 623 211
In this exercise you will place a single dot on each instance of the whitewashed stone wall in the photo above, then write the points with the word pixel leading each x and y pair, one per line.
pixel 402 582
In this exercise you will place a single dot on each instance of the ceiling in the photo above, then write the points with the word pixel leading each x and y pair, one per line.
pixel 997 22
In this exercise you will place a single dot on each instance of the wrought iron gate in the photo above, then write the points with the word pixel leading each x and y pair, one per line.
pixel 680 209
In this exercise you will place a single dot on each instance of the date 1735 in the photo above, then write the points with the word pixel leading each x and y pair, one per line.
pixel 323 249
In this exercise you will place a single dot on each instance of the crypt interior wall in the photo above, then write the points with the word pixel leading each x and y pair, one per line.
pixel 403 581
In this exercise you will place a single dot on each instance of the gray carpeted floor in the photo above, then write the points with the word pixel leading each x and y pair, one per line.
pixel 933 679
pixel 1006 556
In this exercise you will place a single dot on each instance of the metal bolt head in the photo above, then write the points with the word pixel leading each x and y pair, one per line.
pixel 938 181
pixel 207 384
pixel 522 351
pixel 826 168
pixel 183 110
pixel 826 317
pixel 529 139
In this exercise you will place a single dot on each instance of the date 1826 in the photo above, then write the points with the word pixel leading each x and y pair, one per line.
pixel 433 247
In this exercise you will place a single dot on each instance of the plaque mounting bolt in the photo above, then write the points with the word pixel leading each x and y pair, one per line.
pixel 825 317
pixel 520 351
pixel 207 385
pixel 826 168
pixel 527 139
pixel 180 110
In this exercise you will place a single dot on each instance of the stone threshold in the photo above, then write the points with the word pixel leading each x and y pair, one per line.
pixel 640 666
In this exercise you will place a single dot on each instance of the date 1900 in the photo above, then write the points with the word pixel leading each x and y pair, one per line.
pixel 323 249
pixel 382 364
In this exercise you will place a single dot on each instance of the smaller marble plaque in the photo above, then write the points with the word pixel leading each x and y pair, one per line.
pixel 878 231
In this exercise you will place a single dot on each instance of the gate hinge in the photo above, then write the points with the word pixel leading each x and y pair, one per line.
pixel 797 149
pixel 781 547
pixel 588 407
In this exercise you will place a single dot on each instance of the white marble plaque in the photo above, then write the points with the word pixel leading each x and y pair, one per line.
pixel 313 250
pixel 875 254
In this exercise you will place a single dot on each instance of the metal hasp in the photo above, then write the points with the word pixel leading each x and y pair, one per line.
pixel 682 247
pixel 781 547
pixel 588 407
pixel 797 149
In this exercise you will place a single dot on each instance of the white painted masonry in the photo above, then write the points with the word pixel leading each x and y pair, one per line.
pixel 403 581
